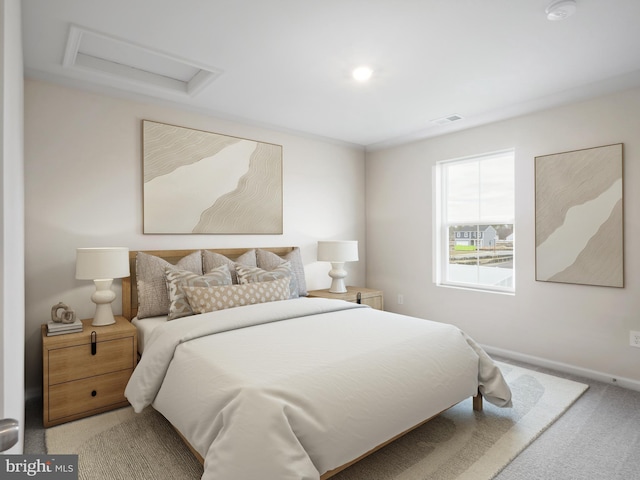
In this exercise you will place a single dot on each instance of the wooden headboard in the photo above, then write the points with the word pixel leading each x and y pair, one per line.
pixel 129 284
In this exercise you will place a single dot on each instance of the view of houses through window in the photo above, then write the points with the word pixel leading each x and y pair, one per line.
pixel 475 242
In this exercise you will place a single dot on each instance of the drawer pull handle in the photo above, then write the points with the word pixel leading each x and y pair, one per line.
pixel 94 343
pixel 94 393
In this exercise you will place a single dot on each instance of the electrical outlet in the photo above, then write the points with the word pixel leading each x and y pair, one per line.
pixel 400 299
pixel 634 339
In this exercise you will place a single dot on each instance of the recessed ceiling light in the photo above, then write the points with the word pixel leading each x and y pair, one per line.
pixel 362 74
pixel 560 9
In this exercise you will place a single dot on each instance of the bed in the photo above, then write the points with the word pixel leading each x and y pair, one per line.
pixel 290 387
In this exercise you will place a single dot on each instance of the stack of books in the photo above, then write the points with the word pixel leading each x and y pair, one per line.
pixel 57 328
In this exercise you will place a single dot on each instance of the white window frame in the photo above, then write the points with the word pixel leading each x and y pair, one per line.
pixel 441 226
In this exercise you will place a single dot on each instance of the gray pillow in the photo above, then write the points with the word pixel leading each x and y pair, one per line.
pixel 211 260
pixel 256 275
pixel 153 297
pixel 268 261
pixel 177 280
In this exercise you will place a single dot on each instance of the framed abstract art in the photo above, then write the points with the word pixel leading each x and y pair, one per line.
pixel 197 182
pixel 579 217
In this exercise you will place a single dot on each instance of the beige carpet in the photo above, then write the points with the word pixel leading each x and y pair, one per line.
pixel 458 445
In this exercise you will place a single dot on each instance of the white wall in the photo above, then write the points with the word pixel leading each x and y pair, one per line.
pixel 584 328
pixel 11 218
pixel 84 188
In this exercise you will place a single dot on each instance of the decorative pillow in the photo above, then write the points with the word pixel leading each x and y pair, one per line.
pixel 255 274
pixel 178 279
pixel 268 261
pixel 153 298
pixel 209 299
pixel 211 260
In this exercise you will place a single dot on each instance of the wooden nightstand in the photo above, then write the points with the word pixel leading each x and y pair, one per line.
pixel 370 297
pixel 86 373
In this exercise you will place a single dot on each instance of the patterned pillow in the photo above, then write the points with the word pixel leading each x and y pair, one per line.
pixel 268 261
pixel 211 260
pixel 255 274
pixel 178 279
pixel 209 299
pixel 153 298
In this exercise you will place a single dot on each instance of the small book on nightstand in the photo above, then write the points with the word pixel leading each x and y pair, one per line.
pixel 57 328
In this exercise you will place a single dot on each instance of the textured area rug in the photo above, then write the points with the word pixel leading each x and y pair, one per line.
pixel 460 444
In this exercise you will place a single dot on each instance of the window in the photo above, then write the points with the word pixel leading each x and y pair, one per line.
pixel 474 222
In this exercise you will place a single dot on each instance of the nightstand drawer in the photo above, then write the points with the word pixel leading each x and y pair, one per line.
pixel 77 383
pixel 89 394
pixel 73 363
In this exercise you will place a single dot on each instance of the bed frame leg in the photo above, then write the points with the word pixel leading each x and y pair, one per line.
pixel 477 402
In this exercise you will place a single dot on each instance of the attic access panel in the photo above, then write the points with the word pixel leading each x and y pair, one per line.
pixel 104 56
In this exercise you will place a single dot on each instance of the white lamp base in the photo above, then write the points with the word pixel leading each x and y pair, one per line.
pixel 338 274
pixel 102 297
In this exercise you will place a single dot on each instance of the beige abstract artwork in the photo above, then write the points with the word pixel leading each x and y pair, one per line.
pixel 579 217
pixel 197 182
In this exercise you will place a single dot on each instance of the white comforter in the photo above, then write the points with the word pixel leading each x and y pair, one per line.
pixel 292 389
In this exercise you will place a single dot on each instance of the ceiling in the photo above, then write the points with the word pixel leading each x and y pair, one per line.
pixel 286 64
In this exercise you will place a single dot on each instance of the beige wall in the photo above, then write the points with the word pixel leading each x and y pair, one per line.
pixel 579 328
pixel 84 188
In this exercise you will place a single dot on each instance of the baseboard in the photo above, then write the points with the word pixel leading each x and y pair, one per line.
pixel 565 367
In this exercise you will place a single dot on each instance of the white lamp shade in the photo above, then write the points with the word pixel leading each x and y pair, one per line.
pixel 338 251
pixel 102 263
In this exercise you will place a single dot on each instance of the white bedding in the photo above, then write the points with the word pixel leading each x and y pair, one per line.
pixel 292 389
pixel 145 326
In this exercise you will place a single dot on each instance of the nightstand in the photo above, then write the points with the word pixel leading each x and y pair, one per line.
pixel 86 373
pixel 370 297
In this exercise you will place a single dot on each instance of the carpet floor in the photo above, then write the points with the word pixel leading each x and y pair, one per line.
pixel 460 444
pixel 598 438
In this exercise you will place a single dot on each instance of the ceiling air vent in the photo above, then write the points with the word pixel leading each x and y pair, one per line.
pixel 119 60
pixel 448 119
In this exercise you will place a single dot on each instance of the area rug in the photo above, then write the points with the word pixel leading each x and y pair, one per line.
pixel 460 444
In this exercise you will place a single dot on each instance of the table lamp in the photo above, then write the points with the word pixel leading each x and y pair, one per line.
pixel 102 265
pixel 338 252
